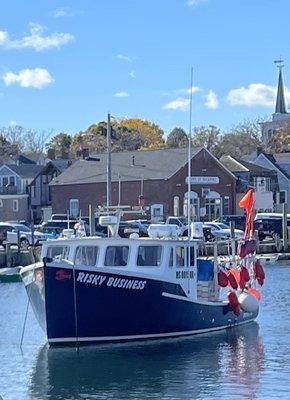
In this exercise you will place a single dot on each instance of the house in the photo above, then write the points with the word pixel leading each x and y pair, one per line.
pixel 40 192
pixel 160 176
pixel 262 179
pixel 14 195
pixel 280 163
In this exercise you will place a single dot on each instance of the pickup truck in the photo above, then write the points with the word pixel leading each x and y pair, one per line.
pixel 9 232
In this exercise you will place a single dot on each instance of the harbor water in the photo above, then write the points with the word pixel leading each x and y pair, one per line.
pixel 249 362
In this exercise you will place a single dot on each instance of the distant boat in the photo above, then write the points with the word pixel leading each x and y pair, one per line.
pixel 10 275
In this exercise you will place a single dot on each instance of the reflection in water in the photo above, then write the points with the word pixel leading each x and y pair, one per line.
pixel 194 368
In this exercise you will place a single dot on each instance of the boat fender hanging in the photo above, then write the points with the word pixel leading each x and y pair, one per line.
pixel 258 270
pixel 248 303
pixel 244 273
pixel 222 279
pixel 232 280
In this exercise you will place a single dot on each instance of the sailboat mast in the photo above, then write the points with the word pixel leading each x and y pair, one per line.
pixel 189 157
pixel 109 163
pixel 189 181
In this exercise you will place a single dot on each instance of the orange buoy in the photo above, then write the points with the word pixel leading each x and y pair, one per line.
pixel 222 279
pixel 254 292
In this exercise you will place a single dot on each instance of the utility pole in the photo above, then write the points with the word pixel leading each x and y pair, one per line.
pixel 109 163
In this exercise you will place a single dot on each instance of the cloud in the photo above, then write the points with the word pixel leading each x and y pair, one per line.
pixel 211 100
pixel 255 95
pixel 180 104
pixel 63 12
pixel 195 3
pixel 37 78
pixel 124 58
pixel 121 94
pixel 132 74
pixel 193 89
pixel 35 39
pixel 13 123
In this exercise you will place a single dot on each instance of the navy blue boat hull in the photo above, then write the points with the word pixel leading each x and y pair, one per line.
pixel 83 306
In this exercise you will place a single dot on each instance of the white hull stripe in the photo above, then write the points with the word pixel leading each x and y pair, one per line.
pixel 210 303
pixel 149 336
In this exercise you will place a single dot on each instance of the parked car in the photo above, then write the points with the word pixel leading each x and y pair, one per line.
pixel 126 228
pixel 181 222
pixel 239 220
pixel 10 231
pixel 269 225
pixel 223 231
pixel 142 224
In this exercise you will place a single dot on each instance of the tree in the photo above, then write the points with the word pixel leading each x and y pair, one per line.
pixel 151 134
pixel 207 137
pixel 177 138
pixel 35 141
pixel 235 145
pixel 279 141
pixel 7 149
pixel 60 142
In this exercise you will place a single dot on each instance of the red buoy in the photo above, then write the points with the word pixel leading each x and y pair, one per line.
pixel 244 273
pixel 232 280
pixel 233 300
pixel 222 279
pixel 258 271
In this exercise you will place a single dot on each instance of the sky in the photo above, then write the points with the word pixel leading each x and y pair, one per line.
pixel 65 64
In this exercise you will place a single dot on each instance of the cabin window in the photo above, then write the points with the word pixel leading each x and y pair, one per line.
pixel 171 258
pixel 58 252
pixel 86 256
pixel 192 256
pixel 149 256
pixel 116 256
pixel 180 256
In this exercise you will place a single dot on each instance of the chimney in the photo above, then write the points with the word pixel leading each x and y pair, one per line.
pixel 51 154
pixel 85 153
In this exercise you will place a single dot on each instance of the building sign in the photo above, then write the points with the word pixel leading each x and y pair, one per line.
pixel 201 180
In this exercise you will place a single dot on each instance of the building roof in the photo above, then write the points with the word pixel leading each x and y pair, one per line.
pixel 235 165
pixel 26 171
pixel 128 165
pixel 61 163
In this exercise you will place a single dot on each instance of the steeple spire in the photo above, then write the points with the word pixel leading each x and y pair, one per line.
pixel 280 100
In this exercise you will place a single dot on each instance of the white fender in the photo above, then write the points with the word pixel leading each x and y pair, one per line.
pixel 248 302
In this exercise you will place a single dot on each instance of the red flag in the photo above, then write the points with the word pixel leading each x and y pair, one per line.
pixel 247 201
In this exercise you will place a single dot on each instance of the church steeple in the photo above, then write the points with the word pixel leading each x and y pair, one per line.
pixel 280 100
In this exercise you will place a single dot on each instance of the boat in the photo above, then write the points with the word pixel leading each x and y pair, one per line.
pixel 93 289
pixel 10 275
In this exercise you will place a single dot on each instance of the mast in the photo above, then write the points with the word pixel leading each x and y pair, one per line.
pixel 109 163
pixel 189 180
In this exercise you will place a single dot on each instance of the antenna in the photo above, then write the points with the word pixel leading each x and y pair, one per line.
pixel 279 63
pixel 189 179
